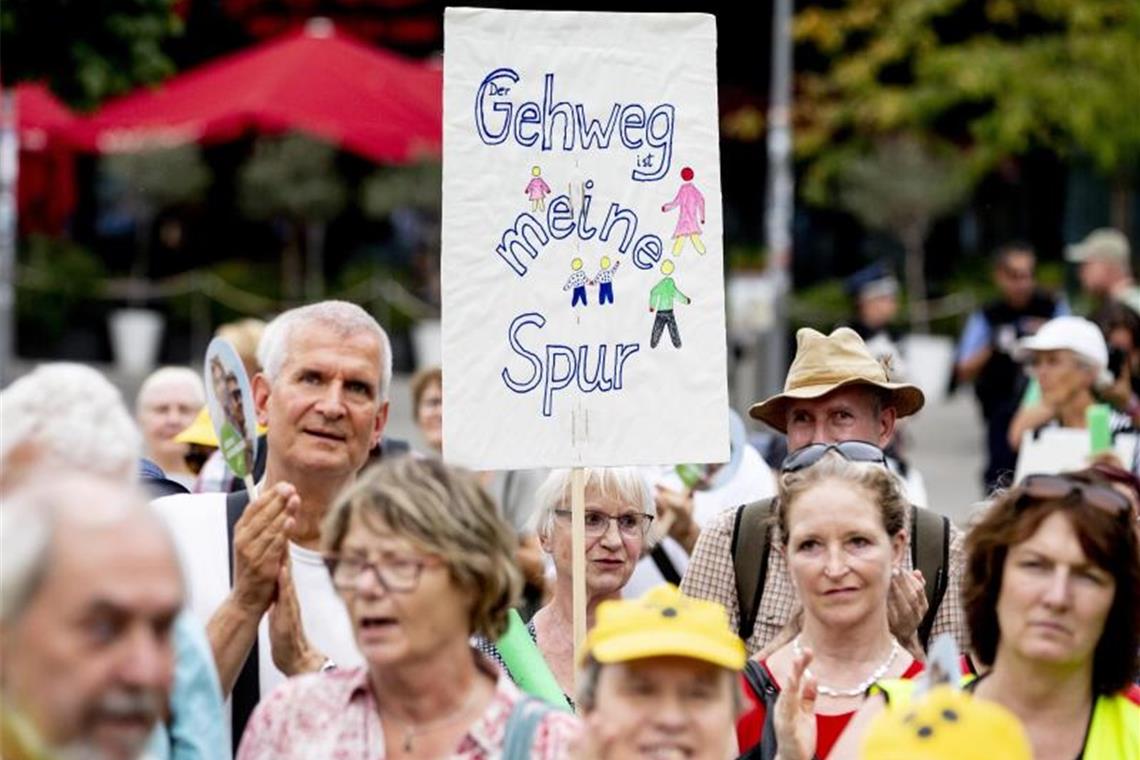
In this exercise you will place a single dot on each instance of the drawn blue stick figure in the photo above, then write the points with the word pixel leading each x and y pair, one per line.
pixel 605 280
pixel 578 281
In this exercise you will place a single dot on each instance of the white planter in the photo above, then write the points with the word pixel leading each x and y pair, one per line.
pixel 929 360
pixel 136 336
pixel 427 342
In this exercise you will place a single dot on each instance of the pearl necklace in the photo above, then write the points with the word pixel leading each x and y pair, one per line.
pixel 861 688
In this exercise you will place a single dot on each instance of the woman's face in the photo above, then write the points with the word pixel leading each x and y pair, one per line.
pixel 1054 601
pixel 399 627
pixel 429 415
pixel 1061 375
pixel 610 557
pixel 664 707
pixel 839 554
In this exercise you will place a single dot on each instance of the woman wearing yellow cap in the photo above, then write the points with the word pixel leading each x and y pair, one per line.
pixel 659 679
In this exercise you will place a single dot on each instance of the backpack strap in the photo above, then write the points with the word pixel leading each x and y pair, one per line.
pixel 750 550
pixel 930 553
pixel 665 565
pixel 522 724
pixel 247 688
pixel 766 690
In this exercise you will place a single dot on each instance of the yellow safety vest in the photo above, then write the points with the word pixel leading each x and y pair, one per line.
pixel 1113 735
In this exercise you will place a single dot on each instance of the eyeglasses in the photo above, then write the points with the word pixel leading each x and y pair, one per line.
pixel 1063 488
pixel 394 574
pixel 631 525
pixel 852 451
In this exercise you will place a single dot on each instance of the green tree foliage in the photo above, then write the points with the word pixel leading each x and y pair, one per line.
pixel 900 187
pixel 994 78
pixel 86 50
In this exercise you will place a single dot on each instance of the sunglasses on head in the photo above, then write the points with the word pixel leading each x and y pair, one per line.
pixel 1063 488
pixel 852 451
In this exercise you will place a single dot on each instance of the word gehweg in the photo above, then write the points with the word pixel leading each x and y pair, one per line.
pixel 529 122
pixel 528 235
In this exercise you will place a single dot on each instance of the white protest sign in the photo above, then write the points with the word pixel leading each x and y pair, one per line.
pixel 583 283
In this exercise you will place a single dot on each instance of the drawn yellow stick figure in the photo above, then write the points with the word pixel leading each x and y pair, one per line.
pixel 578 281
pixel 537 190
pixel 661 301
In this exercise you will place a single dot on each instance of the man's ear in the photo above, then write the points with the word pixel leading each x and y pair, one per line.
pixel 261 389
pixel 379 423
pixel 887 419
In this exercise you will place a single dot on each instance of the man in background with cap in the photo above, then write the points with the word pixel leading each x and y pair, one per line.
pixel 1105 261
pixel 835 391
pixel 874 292
pixel 985 352
pixel 660 678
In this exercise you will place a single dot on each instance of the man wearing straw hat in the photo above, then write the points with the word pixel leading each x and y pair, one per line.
pixel 835 391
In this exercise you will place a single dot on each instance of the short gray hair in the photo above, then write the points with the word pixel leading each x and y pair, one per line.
pixel 29 519
pixel 342 317
pixel 72 416
pixel 171 376
pixel 626 484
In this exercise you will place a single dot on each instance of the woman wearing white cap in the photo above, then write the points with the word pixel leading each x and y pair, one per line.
pixel 1069 358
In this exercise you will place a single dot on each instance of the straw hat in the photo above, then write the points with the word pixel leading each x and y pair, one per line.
pixel 825 363
pixel 662 623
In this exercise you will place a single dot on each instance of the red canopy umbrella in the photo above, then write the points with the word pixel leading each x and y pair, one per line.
pixel 362 99
pixel 46 186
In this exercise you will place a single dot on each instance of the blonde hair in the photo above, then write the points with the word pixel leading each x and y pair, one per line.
pixel 875 479
pixel 443 511
pixel 244 335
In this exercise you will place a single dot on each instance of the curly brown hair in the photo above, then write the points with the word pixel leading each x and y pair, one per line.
pixel 1108 540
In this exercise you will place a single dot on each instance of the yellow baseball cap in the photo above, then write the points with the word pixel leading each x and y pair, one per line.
pixel 946 724
pixel 664 622
pixel 200 431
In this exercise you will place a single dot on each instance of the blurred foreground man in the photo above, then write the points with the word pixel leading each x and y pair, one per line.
pixel 660 678
pixel 89 592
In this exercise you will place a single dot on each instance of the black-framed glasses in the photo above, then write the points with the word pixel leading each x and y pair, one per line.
pixel 852 451
pixel 396 573
pixel 1063 487
pixel 631 524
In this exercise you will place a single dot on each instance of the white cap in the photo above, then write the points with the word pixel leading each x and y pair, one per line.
pixel 1075 334
pixel 1105 243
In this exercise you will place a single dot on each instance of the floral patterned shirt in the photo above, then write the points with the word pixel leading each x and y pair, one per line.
pixel 333 715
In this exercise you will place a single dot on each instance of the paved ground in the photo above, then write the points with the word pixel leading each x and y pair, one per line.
pixel 948 445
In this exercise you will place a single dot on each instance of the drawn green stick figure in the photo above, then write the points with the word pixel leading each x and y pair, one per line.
pixel 661 301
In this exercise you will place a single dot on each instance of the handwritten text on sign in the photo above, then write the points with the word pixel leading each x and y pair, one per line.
pixel 582 260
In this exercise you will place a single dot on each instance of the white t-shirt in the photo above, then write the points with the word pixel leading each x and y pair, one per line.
pixel 198 524
pixel 752 481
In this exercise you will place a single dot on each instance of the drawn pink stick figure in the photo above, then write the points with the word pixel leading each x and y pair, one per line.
pixel 692 216
pixel 537 190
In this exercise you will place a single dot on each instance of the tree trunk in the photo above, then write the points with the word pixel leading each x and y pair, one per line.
pixel 314 261
pixel 1120 209
pixel 913 236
